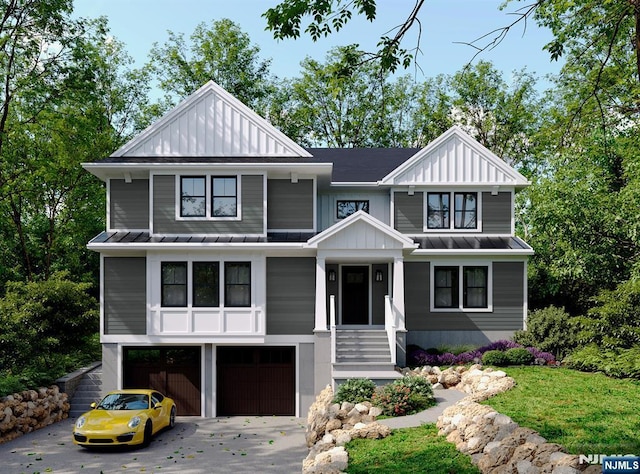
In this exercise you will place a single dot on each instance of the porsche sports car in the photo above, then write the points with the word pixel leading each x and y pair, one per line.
pixel 125 417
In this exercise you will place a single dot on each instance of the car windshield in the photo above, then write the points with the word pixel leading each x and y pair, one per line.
pixel 124 401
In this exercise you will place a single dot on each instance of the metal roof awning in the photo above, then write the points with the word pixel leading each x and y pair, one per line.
pixel 471 245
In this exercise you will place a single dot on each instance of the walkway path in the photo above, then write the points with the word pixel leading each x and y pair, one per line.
pixel 445 398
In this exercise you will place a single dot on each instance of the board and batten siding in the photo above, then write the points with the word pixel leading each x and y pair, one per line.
pixel 409 212
pixel 291 289
pixel 164 210
pixel 508 301
pixel 129 204
pixel 290 205
pixel 125 295
pixel 328 206
pixel 496 213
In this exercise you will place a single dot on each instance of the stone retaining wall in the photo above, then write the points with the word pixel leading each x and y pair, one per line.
pixel 31 410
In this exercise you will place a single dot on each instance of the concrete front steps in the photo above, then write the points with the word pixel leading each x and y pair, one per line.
pixel 363 353
pixel 89 390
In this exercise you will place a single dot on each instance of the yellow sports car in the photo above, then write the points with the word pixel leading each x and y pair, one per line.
pixel 125 417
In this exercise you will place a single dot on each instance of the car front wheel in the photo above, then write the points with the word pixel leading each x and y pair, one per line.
pixel 148 430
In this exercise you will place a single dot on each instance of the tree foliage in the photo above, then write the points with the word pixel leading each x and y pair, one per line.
pixel 219 52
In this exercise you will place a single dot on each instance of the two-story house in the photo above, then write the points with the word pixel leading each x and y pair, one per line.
pixel 241 273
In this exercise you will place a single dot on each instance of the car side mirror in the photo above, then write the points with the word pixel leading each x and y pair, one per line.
pixel 157 405
pixel 93 405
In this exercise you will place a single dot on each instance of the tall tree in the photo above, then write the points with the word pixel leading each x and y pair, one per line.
pixel 81 109
pixel 220 52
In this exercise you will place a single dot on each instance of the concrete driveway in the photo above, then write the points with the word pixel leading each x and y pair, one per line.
pixel 196 445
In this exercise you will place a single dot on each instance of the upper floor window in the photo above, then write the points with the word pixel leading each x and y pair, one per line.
pixel 463 216
pixel 453 285
pixel 209 197
pixel 193 197
pixel 224 196
pixel 346 208
pixel 206 284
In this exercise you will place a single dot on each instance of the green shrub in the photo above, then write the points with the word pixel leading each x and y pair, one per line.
pixel 355 391
pixel 519 356
pixel 404 396
pixel 416 384
pixel 10 384
pixel 620 363
pixel 549 329
pixel 497 358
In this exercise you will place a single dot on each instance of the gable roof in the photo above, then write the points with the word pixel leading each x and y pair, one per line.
pixel 361 231
pixel 455 158
pixel 211 122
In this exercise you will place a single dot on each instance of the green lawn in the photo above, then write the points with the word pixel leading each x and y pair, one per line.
pixel 586 413
pixel 411 450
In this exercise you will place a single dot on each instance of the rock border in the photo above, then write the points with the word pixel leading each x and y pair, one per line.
pixel 496 444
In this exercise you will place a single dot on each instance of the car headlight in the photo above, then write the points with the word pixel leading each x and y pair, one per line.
pixel 80 422
pixel 133 422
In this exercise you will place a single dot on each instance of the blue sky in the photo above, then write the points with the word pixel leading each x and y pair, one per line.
pixel 140 23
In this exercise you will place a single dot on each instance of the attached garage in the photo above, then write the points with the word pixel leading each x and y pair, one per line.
pixel 174 371
pixel 256 380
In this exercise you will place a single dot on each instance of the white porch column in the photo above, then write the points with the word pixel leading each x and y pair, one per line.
pixel 398 291
pixel 321 296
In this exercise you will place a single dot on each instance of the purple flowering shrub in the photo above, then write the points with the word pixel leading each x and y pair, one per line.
pixel 419 357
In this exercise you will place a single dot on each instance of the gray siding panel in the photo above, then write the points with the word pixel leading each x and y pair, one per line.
pixel 508 295
pixel 496 213
pixel 125 295
pixel 164 210
pixel 129 204
pixel 109 368
pixel 291 287
pixel 289 205
pixel 409 213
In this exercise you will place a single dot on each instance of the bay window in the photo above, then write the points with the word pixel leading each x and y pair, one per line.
pixel 198 284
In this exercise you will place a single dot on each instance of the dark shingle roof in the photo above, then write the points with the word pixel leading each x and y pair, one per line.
pixel 358 165
pixel 362 164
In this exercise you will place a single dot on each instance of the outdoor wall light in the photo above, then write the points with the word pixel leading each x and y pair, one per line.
pixel 379 275
pixel 332 275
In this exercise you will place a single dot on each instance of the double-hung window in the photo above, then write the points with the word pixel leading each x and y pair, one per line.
pixel 206 284
pixel 456 210
pixel 209 197
pixel 193 196
pixel 174 283
pixel 237 284
pixel 461 287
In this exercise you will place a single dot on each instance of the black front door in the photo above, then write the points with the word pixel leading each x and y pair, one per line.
pixel 355 295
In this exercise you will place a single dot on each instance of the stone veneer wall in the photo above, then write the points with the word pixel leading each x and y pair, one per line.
pixel 31 410
pixel 496 444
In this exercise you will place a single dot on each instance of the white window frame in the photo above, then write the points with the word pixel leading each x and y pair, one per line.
pixel 452 229
pixel 209 197
pixel 461 265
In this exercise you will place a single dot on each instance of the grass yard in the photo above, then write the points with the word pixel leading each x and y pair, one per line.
pixel 411 450
pixel 587 413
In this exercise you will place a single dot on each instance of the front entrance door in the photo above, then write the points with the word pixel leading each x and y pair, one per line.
pixel 355 295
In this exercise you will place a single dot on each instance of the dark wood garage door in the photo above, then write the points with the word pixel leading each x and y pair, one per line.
pixel 174 371
pixel 256 380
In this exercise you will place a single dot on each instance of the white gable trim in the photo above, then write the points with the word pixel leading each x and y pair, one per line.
pixel 513 177
pixel 361 216
pixel 173 134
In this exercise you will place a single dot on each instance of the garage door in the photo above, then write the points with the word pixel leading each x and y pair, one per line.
pixel 256 380
pixel 174 371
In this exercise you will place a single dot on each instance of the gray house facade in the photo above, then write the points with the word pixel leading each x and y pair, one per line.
pixel 242 273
